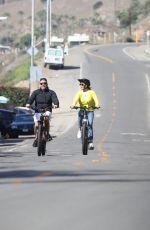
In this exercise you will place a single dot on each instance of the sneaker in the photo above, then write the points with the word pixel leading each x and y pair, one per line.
pixel 79 134
pixel 49 137
pixel 34 143
pixel 91 146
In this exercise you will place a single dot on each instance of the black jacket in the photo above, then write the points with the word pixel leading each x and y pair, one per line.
pixel 43 99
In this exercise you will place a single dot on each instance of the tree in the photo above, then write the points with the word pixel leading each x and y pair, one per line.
pixel 146 8
pixel 130 16
pixel 97 5
pixel 25 41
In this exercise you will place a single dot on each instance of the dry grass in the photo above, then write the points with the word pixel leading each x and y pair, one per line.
pixel 78 8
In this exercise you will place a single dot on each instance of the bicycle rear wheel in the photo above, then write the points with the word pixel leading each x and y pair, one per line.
pixel 84 136
pixel 39 140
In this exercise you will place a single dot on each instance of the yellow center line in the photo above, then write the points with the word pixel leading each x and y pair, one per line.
pixel 104 155
pixel 17 181
pixel 109 60
pixel 79 163
pixel 113 78
pixel 43 175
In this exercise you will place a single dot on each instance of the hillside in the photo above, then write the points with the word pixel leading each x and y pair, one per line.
pixel 19 15
pixel 68 16
pixel 78 8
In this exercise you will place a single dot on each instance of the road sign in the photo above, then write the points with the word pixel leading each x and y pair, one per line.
pixel 35 51
pixel 148 33
pixel 35 73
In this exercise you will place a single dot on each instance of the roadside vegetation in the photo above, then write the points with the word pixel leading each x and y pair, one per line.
pixel 61 24
pixel 66 25
pixel 20 73
pixel 17 96
pixel 134 14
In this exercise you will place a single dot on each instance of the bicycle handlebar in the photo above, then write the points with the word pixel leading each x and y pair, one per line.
pixel 39 110
pixel 84 107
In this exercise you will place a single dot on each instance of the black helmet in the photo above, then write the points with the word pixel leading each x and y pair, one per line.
pixel 43 79
pixel 85 81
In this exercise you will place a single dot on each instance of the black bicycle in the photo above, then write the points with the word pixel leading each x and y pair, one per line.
pixel 42 133
pixel 84 127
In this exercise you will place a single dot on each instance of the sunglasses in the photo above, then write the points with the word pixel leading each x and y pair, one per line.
pixel 43 83
pixel 82 84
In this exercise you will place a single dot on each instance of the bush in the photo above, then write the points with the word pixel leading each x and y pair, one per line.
pixel 97 5
pixel 20 73
pixel 25 41
pixel 17 96
pixel 129 39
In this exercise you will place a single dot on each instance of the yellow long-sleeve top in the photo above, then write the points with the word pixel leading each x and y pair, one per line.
pixel 88 98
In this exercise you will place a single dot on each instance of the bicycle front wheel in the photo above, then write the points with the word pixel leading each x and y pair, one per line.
pixel 84 136
pixel 43 148
pixel 39 140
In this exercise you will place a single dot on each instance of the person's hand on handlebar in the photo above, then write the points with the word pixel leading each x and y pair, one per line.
pixel 28 106
pixel 55 106
pixel 73 107
pixel 84 107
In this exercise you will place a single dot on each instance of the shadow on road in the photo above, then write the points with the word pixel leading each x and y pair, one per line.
pixel 90 176
pixel 71 67
pixel 11 142
pixel 65 68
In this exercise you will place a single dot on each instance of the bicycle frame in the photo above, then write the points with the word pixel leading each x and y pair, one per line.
pixel 45 131
pixel 42 133
pixel 85 117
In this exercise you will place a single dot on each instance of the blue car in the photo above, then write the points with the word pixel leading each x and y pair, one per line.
pixel 23 124
pixel 6 118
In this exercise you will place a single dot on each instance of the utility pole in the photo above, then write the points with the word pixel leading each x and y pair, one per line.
pixel 130 22
pixel 47 25
pixel 32 34
pixel 34 72
pixel 115 4
pixel 50 22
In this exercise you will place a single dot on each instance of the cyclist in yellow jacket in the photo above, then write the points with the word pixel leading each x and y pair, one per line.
pixel 86 97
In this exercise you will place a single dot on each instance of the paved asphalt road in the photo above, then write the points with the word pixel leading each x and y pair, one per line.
pixel 109 188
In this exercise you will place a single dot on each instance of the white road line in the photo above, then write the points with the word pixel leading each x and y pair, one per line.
pixel 148 81
pixel 97 115
pixel 133 134
pixel 136 140
pixel 126 52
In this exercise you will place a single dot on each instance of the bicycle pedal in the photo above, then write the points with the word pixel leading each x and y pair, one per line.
pixel 50 138
pixel 91 148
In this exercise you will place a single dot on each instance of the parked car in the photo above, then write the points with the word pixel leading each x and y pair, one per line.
pixel 6 118
pixel 23 110
pixel 23 124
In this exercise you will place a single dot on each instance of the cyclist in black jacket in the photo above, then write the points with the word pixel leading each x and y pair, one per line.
pixel 43 98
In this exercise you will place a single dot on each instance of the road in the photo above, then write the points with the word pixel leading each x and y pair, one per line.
pixel 109 188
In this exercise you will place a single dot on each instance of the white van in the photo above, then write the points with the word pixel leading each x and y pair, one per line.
pixel 54 57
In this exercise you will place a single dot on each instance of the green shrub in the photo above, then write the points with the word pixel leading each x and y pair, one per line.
pixel 97 5
pixel 17 96
pixel 129 39
pixel 20 73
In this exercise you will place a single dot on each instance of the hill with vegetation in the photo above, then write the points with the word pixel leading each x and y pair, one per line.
pixel 68 17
